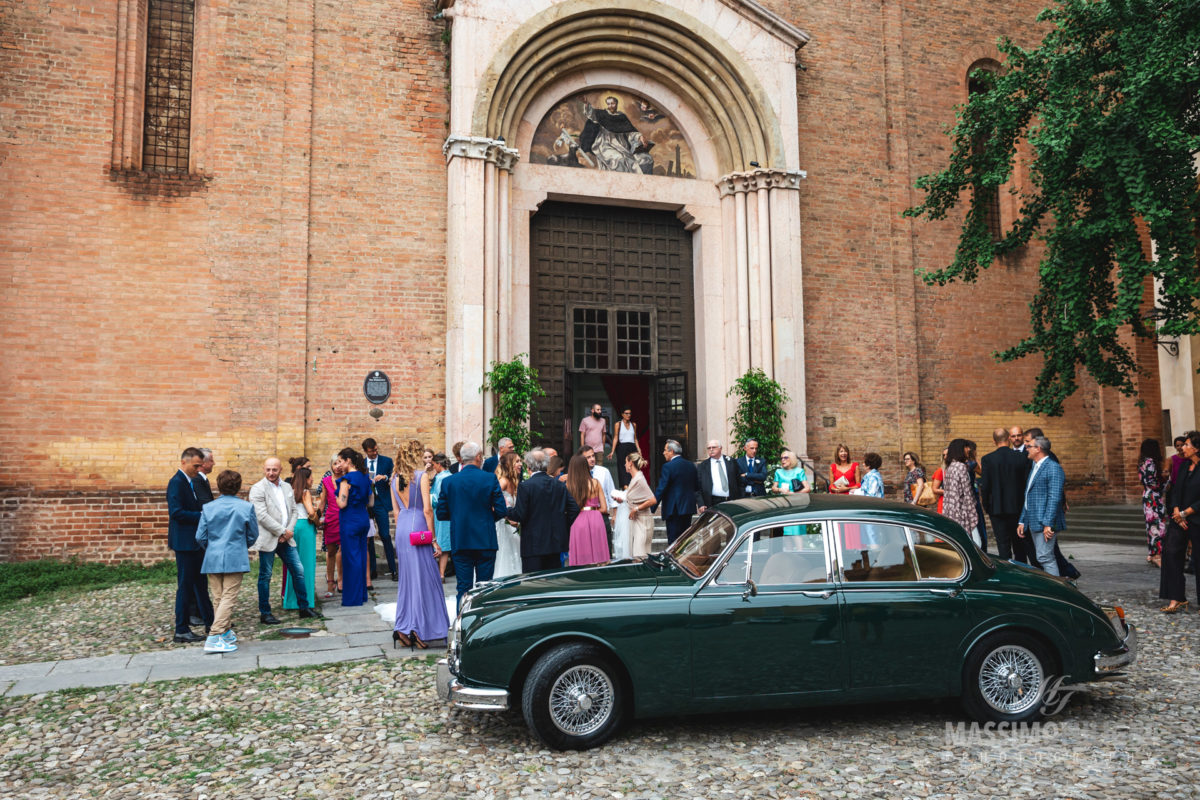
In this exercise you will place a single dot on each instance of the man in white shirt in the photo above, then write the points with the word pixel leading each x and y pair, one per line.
pixel 717 477
pixel 601 475
pixel 275 509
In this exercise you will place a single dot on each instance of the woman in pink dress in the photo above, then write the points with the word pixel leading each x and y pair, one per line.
pixel 327 513
pixel 589 541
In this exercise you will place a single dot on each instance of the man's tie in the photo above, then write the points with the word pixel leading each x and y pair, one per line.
pixel 724 478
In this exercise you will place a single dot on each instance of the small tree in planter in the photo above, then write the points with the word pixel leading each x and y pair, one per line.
pixel 759 414
pixel 516 389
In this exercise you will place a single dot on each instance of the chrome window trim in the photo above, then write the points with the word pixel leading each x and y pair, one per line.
pixel 832 528
pixel 962 576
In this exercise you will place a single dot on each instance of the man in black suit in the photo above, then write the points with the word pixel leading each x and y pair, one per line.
pixel 1002 491
pixel 678 488
pixel 203 487
pixel 717 476
pixel 379 468
pixel 183 510
pixel 752 471
pixel 545 510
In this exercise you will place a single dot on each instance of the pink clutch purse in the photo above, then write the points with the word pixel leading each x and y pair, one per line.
pixel 420 537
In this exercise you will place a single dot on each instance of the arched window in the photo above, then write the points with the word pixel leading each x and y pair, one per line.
pixel 990 203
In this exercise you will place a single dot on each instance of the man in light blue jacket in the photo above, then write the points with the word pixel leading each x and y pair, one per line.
pixel 228 527
pixel 1042 516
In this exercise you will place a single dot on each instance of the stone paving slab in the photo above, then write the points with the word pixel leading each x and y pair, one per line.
pixel 5 686
pixel 54 683
pixel 382 638
pixel 278 646
pixel 202 666
pixel 16 672
pixel 357 625
pixel 176 655
pixel 319 657
pixel 76 666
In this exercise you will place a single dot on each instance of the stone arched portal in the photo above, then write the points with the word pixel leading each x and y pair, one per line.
pixel 725 71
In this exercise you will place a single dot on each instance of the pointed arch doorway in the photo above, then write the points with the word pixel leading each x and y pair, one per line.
pixel 612 322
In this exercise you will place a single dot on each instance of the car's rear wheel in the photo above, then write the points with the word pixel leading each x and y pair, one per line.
pixel 573 697
pixel 1004 678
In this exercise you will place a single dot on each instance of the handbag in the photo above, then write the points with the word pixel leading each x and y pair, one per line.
pixel 417 538
pixel 927 499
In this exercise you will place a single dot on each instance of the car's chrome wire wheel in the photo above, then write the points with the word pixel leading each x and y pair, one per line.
pixel 1011 679
pixel 581 700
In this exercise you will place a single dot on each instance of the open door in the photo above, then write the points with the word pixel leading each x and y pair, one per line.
pixel 671 415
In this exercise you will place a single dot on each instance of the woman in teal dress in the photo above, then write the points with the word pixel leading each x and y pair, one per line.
pixel 441 528
pixel 306 537
pixel 790 478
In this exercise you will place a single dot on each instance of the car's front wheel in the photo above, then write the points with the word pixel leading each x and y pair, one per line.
pixel 1005 677
pixel 573 698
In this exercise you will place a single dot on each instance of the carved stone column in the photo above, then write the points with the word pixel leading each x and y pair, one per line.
pixel 764 207
pixel 478 259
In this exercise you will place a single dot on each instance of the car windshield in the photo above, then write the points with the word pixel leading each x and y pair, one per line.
pixel 701 545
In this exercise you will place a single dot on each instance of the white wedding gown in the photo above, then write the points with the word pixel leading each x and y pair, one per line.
pixel 508 550
pixel 621 548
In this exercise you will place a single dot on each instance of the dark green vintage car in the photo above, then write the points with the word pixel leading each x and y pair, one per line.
pixel 779 602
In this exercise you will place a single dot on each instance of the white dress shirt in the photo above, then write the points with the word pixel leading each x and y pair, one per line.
pixel 602 475
pixel 719 473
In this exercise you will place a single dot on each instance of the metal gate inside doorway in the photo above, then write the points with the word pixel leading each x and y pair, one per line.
pixel 611 306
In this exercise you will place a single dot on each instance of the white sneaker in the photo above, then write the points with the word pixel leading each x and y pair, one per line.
pixel 215 644
pixel 229 637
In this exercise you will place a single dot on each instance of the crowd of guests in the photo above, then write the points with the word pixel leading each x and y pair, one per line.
pixel 510 514
pixel 1170 496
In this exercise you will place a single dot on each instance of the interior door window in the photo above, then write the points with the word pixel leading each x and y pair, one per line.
pixel 874 552
pixel 937 559
pixel 789 555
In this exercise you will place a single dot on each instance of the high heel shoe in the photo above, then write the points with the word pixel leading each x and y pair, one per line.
pixel 398 639
pixel 417 641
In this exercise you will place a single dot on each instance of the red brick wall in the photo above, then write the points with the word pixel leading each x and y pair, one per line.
pixel 241 309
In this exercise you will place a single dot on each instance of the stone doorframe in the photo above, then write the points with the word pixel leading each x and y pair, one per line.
pixel 726 71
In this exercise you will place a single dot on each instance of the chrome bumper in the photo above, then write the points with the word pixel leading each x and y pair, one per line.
pixel 459 696
pixel 1108 663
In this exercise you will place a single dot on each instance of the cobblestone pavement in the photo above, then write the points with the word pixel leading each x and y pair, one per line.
pixel 374 729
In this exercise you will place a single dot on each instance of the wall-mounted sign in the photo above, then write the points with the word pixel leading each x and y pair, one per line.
pixel 377 387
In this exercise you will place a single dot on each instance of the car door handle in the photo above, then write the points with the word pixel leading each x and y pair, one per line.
pixel 825 595
pixel 954 592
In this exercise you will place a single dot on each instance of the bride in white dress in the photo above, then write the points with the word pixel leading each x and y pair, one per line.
pixel 508 540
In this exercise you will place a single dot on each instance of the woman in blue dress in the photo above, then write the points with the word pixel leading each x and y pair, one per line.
pixel 354 493
pixel 441 528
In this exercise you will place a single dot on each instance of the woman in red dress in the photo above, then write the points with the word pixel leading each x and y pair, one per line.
pixel 844 474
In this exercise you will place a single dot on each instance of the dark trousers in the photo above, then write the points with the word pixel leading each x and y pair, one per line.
pixel 546 561
pixel 1009 546
pixel 383 521
pixel 1172 581
pixel 471 567
pixel 190 584
pixel 676 525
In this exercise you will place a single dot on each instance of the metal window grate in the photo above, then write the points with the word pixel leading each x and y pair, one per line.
pixel 170 25
pixel 590 338
pixel 633 341
pixel 989 199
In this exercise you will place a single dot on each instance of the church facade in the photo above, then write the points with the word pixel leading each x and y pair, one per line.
pixel 221 217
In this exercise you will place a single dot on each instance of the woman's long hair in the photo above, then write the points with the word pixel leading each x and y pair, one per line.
pixel 956 451
pixel 1152 450
pixel 579 479
pixel 409 460
pixel 837 451
pixel 301 479
pixel 355 458
pixel 509 469
pixel 915 459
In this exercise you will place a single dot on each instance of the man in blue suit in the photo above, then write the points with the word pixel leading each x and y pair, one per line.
pixel 472 501
pixel 752 471
pixel 183 510
pixel 380 469
pixel 1042 516
pixel 678 485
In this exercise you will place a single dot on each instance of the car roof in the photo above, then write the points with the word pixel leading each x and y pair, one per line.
pixel 754 509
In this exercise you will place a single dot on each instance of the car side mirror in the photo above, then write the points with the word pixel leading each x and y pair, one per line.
pixel 751 590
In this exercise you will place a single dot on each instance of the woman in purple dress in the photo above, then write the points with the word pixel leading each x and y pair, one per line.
pixel 354 493
pixel 420 601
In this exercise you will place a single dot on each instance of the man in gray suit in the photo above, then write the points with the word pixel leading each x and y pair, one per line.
pixel 275 509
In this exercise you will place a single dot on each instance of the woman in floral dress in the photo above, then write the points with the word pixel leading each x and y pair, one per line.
pixel 1150 471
